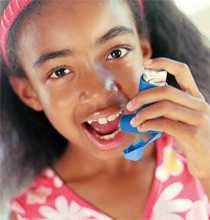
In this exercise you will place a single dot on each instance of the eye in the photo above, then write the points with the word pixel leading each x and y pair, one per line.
pixel 118 53
pixel 59 72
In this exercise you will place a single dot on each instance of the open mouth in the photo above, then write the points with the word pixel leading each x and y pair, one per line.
pixel 105 132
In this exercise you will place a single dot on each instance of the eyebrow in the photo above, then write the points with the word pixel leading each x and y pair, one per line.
pixel 112 33
pixel 52 55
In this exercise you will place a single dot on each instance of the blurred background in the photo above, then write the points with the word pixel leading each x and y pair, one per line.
pixel 199 12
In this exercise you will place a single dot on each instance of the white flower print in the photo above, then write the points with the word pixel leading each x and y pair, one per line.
pixel 167 206
pixel 49 173
pixel 72 211
pixel 171 165
pixel 17 208
pixel 207 203
pixel 38 195
pixel 19 217
pixel 57 182
pixel 199 210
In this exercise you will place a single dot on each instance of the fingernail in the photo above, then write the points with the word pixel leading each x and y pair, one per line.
pixel 133 122
pixel 140 128
pixel 129 106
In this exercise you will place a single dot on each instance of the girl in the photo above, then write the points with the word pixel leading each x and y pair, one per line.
pixel 56 115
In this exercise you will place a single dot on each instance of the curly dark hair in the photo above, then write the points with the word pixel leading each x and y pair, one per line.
pixel 29 143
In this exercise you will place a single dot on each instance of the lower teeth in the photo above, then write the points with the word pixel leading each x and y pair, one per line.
pixel 108 136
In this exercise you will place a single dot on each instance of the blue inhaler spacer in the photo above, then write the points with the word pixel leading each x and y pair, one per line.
pixel 149 79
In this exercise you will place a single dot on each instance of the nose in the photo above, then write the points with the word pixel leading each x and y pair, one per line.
pixel 98 88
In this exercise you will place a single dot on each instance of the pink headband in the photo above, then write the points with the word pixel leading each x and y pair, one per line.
pixel 141 6
pixel 11 12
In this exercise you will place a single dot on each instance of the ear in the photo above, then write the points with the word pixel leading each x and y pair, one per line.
pixel 23 88
pixel 145 47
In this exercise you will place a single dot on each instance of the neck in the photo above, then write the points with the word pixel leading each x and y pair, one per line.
pixel 67 167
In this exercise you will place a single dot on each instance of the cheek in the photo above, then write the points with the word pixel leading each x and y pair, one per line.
pixel 58 94
pixel 129 75
pixel 58 105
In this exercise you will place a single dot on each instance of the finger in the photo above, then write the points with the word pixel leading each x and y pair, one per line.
pixel 169 93
pixel 170 110
pixel 181 72
pixel 184 133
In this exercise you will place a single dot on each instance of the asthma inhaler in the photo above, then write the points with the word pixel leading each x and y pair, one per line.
pixel 149 79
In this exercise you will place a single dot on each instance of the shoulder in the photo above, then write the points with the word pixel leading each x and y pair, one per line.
pixel 172 170
pixel 170 158
pixel 49 198
pixel 172 163
pixel 41 192
pixel 176 189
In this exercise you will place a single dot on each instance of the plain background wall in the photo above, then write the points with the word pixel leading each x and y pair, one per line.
pixel 202 20
pixel 199 12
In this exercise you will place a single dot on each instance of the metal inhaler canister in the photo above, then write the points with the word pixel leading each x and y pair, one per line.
pixel 149 79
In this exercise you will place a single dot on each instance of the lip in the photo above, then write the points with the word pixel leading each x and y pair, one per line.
pixel 105 113
pixel 102 114
pixel 102 144
pixel 114 143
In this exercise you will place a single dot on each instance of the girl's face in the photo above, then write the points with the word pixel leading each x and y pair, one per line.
pixel 66 49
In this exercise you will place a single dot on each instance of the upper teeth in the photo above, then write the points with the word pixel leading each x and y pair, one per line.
pixel 107 119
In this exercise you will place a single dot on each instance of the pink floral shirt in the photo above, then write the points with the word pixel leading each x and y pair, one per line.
pixel 175 194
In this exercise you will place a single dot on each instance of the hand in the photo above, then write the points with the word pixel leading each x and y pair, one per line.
pixel 183 114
